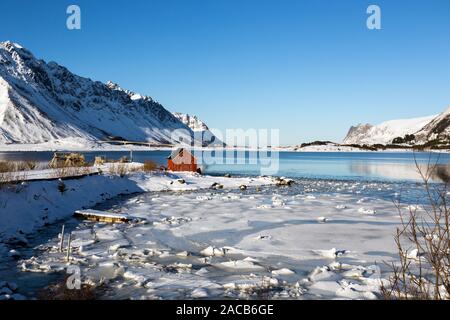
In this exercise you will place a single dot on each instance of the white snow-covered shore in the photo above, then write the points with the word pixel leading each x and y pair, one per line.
pixel 227 243
pixel 82 145
pixel 75 145
pixel 349 149
pixel 33 204
pixel 275 242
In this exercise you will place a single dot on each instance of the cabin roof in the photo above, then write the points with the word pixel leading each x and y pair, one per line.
pixel 176 152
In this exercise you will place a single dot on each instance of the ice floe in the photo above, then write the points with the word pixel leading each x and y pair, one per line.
pixel 367 211
pixel 204 244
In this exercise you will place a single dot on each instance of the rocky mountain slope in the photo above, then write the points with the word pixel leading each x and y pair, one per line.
pixel 436 130
pixel 201 130
pixel 192 122
pixel 42 102
pixel 406 131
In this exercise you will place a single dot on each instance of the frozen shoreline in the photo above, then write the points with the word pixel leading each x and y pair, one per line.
pixel 251 244
pixel 33 204
pixel 314 240
pixel 74 145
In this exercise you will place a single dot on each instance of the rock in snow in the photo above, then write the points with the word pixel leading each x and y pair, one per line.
pixel 331 254
pixel 282 272
pixel 322 219
pixel 213 252
pixel 366 211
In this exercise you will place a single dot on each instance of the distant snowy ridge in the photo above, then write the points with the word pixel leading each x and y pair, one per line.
pixel 43 102
pixel 386 132
pixel 192 122
pixel 199 128
pixel 437 129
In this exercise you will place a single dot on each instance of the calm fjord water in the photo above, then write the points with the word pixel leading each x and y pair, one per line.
pixel 383 166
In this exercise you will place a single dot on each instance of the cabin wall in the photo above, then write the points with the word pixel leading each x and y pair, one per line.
pixel 192 166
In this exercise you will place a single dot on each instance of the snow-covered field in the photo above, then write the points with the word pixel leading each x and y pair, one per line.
pixel 317 240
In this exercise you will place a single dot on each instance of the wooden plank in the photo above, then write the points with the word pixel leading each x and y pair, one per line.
pixel 104 216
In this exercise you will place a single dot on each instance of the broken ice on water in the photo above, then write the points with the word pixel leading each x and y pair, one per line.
pixel 313 240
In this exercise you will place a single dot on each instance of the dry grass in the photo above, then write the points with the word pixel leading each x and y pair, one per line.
pixel 6 166
pixel 63 171
pixel 6 179
pixel 423 243
pixel 15 171
pixel 59 291
pixel 31 164
pixel 149 165
pixel 123 169
pixel 119 169
pixel 12 172
pixel 17 166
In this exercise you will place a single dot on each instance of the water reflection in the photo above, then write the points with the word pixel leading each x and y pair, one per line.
pixel 402 171
pixel 324 165
pixel 441 173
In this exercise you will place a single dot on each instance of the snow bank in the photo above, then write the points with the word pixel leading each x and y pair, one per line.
pixel 223 244
pixel 33 204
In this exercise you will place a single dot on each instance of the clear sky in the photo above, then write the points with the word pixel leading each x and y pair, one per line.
pixel 310 68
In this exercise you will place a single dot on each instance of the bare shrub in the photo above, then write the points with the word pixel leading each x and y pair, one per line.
pixel 59 291
pixel 119 169
pixel 69 171
pixel 31 164
pixel 20 166
pixel 149 165
pixel 11 178
pixel 17 166
pixel 61 172
pixel 7 166
pixel 423 242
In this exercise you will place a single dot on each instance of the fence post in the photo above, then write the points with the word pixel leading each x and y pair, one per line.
pixel 61 242
pixel 69 247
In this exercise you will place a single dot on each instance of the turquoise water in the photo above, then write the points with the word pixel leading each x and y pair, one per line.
pixel 380 166
pixel 348 166
pixel 369 176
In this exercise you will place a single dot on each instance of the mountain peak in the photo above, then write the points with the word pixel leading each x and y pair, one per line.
pixel 113 86
pixel 386 132
pixel 133 95
pixel 12 47
pixel 192 122
pixel 42 102
pixel 199 127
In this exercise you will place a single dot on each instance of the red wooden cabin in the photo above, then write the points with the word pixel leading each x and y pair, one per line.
pixel 182 160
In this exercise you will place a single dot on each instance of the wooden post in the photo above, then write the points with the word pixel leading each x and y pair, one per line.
pixel 61 242
pixel 69 247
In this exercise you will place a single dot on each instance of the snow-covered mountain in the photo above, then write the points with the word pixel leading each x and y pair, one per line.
pixel 42 102
pixel 386 132
pixel 436 129
pixel 192 122
pixel 201 130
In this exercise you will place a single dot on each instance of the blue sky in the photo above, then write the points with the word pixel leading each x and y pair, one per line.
pixel 310 68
